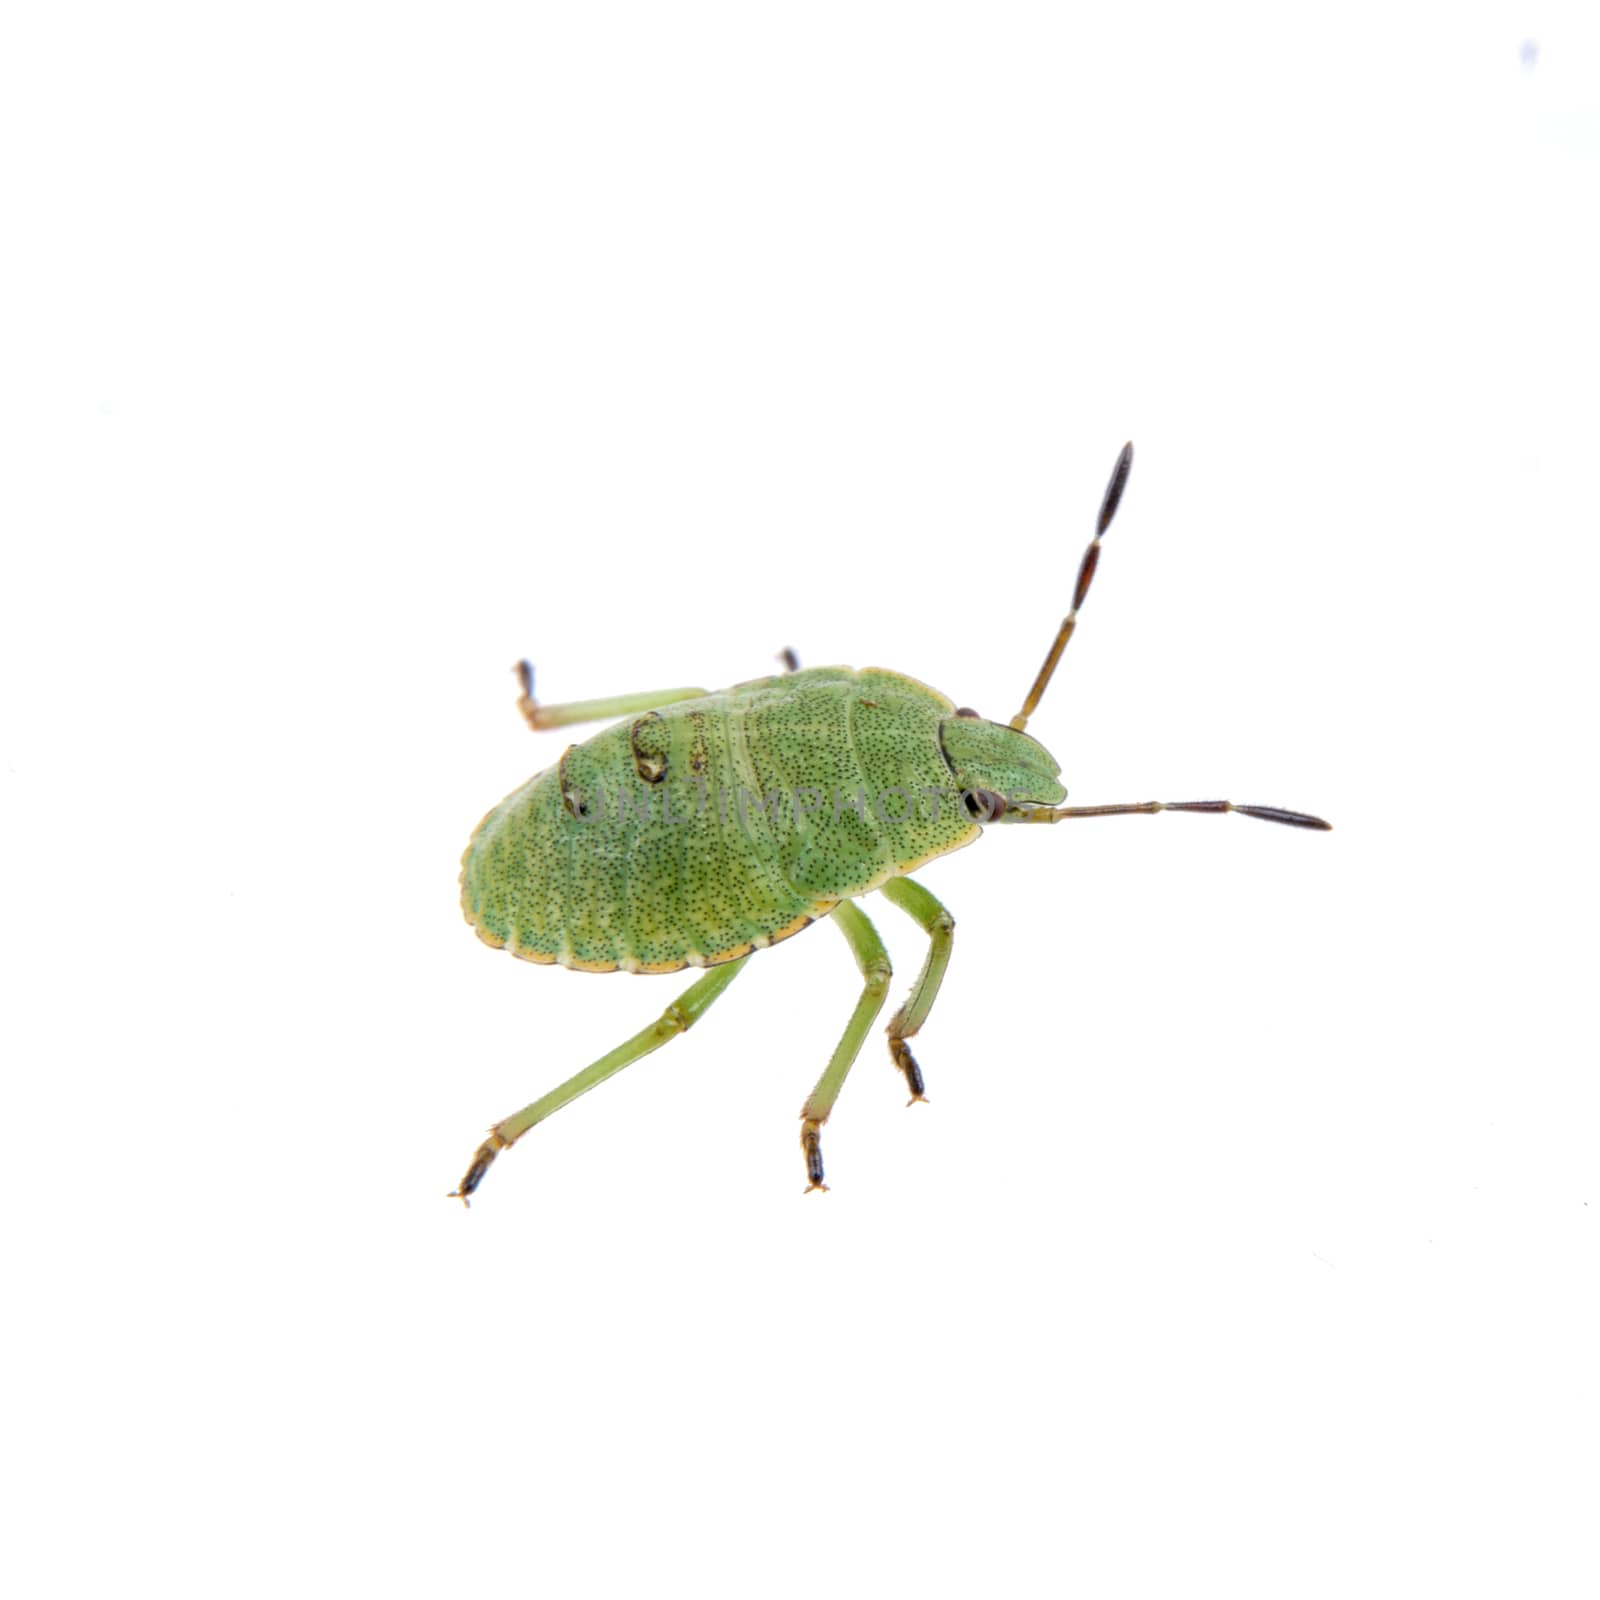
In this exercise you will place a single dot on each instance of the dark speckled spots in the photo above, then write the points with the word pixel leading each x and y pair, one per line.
pixel 577 805
pixel 650 740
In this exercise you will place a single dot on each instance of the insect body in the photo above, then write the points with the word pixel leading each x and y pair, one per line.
pixel 699 832
pixel 708 826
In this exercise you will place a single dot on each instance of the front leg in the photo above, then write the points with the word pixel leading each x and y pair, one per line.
pixel 940 927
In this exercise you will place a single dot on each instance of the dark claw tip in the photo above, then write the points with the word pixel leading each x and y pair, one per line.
pixel 469 1184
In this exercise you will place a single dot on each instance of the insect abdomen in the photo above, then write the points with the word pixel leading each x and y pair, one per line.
pixel 600 866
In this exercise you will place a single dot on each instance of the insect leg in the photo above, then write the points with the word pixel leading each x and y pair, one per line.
pixel 873 960
pixel 572 711
pixel 681 1015
pixel 940 928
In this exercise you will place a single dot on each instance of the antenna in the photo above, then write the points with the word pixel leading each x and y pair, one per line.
pixel 1086 569
pixel 1292 819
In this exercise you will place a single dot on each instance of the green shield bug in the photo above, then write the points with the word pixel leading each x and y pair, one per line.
pixel 709 826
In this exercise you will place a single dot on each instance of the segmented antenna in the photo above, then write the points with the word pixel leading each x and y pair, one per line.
pixel 1292 819
pixel 1086 568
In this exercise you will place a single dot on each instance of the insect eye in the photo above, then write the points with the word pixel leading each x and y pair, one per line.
pixel 983 805
pixel 967 711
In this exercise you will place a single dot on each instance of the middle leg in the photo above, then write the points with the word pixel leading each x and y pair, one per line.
pixel 873 960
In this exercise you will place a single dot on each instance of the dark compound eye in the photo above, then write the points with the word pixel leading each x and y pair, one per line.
pixel 983 805
pixel 967 711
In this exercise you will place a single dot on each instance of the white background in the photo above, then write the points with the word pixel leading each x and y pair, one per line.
pixel 1248 1242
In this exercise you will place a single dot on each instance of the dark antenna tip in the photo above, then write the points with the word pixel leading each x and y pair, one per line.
pixel 1119 482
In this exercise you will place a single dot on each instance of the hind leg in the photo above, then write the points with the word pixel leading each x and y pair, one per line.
pixel 678 1018
pixel 562 716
